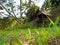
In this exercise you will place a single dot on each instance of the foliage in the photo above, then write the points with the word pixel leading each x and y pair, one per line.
pixel 37 36
pixel 31 13
pixel 55 2
pixel 6 22
pixel 11 8
pixel 55 10
pixel 46 5
pixel 18 41
pixel 53 6
pixel 1 42
pixel 27 33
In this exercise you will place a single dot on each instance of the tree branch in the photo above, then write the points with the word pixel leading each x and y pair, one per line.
pixel 10 13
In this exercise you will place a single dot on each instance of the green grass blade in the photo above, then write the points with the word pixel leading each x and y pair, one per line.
pixel 50 20
pixel 55 25
pixel 29 35
pixel 19 42
pixel 1 42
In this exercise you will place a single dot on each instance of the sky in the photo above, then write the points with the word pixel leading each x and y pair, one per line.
pixel 40 3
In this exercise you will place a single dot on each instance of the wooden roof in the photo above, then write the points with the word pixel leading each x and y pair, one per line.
pixel 38 12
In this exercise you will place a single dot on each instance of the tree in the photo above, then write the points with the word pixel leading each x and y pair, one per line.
pixel 11 8
pixel 5 22
pixel 31 12
pixel 46 5
pixel 52 5
pixel 55 2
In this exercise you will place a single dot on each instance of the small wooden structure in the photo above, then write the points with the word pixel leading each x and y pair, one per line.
pixel 41 17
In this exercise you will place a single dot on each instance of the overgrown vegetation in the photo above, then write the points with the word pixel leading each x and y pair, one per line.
pixel 29 13
pixel 29 35
pixel 29 32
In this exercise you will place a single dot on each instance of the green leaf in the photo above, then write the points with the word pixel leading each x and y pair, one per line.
pixel 1 42
pixel 19 42
pixel 51 22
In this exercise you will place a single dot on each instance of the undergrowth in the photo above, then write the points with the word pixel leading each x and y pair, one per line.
pixel 28 34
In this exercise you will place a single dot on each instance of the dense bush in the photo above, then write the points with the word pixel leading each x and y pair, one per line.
pixel 5 22
pixel 31 13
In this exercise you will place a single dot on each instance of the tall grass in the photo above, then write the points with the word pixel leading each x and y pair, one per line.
pixel 36 36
